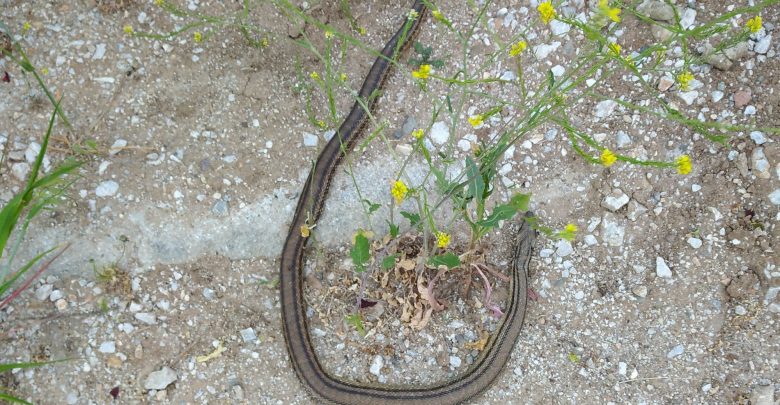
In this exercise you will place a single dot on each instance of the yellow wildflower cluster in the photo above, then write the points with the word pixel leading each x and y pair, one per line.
pixel 476 120
pixel 413 14
pixel 422 73
pixel 128 30
pixel 198 37
pixel 442 239
pixel 546 11
pixel 607 158
pixel 314 75
pixel 418 133
pixel 399 191
pixel 754 24
pixel 26 26
pixel 683 163
pixel 613 13
pixel 517 48
pixel 614 49
pixel 684 79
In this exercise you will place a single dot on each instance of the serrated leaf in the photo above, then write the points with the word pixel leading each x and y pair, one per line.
pixel 448 259
pixel 389 262
pixel 359 253
pixel 414 219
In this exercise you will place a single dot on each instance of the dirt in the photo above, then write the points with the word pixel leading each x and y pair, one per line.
pixel 215 158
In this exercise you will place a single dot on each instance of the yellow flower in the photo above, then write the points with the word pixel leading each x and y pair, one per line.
pixel 442 239
pixel 305 230
pixel 613 13
pixel 321 124
pixel 45 71
pixel 546 11
pixel 328 34
pixel 418 133
pixel 571 228
pixel 517 48
pixel 683 163
pixel 684 79
pixel 128 30
pixel 476 120
pixel 314 75
pixel 362 31
pixel 413 14
pixel 437 15
pixel 26 26
pixel 607 158
pixel 754 24
pixel 197 36
pixel 343 77
pixel 399 191
pixel 159 2
pixel 422 73
pixel 614 49
pixel 264 42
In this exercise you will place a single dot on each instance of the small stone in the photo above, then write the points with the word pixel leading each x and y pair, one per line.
pixel 665 83
pixel 100 51
pixel 20 170
pixel 563 248
pixel 55 295
pixel 695 188
pixel 220 207
pixel 605 108
pixel 72 398
pixel 590 240
pixel 107 347
pixel 310 139
pixel 559 27
pixel 518 371
pixel 706 387
pixel 717 95
pixel 758 137
pixel 43 292
pixel 558 70
pixel 612 232
pixel 161 379
pixel 640 291
pixel 328 135
pixel 774 197
pixel 635 210
pixel 376 365
pixel 542 51
pixel 676 351
pixel 694 242
pixel 455 361
pixel 660 33
pixel 737 52
pixel 546 252
pixel 61 305
pixel 615 201
pixel 117 147
pixel 146 318
pixel 762 46
pixel 688 96
pixel 688 18
pixel 248 335
pixel 579 295
pixel 760 164
pixel 750 110
pixel 410 123
pixel 657 10
pixel 209 294
pixel 622 368
pixel 740 310
pixel 763 395
pixel 440 133
pixel 742 98
pixel 623 140
pixel 661 269
pixel 107 188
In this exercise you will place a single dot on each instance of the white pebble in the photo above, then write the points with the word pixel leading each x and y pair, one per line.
pixel 310 139
pixel 107 188
pixel 440 133
pixel 694 242
pixel 661 269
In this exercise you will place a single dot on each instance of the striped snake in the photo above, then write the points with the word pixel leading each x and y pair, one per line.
pixel 329 388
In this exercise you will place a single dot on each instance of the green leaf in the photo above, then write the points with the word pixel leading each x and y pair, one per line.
pixel 13 400
pixel 414 219
pixel 372 207
pixel 359 253
pixel 393 231
pixel 355 321
pixel 520 201
pixel 26 66
pixel 448 259
pixel 389 262
pixel 500 213
pixel 550 79
pixel 475 181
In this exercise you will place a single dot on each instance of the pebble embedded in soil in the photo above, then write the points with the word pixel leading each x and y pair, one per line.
pixel 107 188
pixel 661 269
pixel 159 380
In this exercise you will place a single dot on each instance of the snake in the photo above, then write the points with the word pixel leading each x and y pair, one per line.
pixel 308 368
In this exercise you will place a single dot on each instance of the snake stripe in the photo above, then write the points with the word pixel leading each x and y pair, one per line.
pixel 310 204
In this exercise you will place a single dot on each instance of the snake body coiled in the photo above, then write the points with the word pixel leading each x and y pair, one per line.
pixel 307 367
